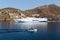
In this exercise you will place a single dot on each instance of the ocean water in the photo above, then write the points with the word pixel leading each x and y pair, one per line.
pixel 17 31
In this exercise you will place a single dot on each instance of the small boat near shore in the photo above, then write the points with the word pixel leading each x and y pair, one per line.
pixel 32 30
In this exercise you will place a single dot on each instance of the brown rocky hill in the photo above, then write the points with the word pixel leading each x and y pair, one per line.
pixel 50 11
pixel 9 13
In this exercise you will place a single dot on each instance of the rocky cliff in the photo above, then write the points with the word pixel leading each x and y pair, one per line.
pixel 9 13
pixel 52 12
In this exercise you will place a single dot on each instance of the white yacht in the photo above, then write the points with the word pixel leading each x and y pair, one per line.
pixel 31 19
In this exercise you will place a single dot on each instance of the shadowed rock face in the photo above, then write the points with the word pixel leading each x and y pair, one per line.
pixel 50 11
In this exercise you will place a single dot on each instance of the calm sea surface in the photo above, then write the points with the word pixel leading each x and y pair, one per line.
pixel 17 31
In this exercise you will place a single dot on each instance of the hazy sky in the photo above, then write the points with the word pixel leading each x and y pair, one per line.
pixel 26 4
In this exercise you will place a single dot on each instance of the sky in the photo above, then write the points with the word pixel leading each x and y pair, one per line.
pixel 26 4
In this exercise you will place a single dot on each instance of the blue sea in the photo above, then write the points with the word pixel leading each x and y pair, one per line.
pixel 17 31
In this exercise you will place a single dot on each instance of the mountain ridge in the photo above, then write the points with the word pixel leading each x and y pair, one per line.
pixel 49 11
